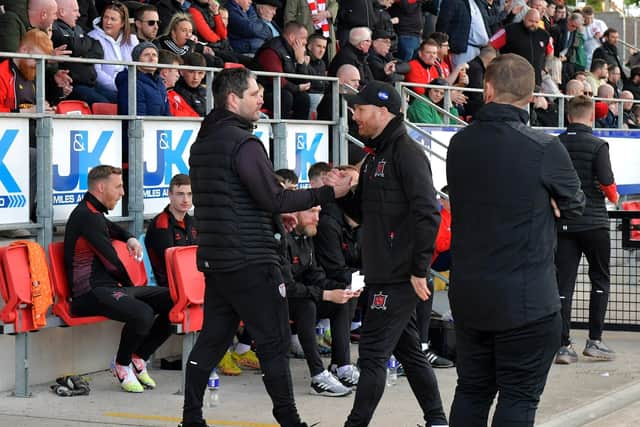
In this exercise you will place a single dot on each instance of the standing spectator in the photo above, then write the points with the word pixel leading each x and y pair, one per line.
pixel 286 54
pixel 385 22
pixel 172 227
pixel 207 21
pixel 424 68
pixel 246 31
pixel 239 199
pixel 113 31
pixel 352 14
pixel 506 345
pixel 594 30
pixel 67 33
pixel 318 16
pixel 355 53
pixel 467 24
pixel 477 69
pixel 614 79
pixel 147 22
pixel 549 15
pixel 167 9
pixel 409 26
pixel 382 63
pixel 609 50
pixel 395 251
pixel 587 234
pixel 569 45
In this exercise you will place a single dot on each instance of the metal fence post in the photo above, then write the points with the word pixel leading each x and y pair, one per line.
pixel 279 145
pixel 44 180
pixel 209 81
pixel 22 366
pixel 136 179
pixel 338 154
pixel 561 112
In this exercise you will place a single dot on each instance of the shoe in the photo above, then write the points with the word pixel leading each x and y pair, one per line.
pixel 140 369
pixel 437 361
pixel 598 350
pixel 194 424
pixel 227 365
pixel 296 351
pixel 247 360
pixel 349 378
pixel 566 355
pixel 325 384
pixel 127 378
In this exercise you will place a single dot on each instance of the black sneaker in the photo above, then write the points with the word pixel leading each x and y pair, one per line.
pixel 566 355
pixel 437 361
pixel 596 349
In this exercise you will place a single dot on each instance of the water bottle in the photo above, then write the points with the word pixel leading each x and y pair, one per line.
pixel 212 397
pixel 392 371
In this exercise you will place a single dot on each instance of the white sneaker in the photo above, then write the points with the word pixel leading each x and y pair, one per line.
pixel 348 375
pixel 127 377
pixel 325 384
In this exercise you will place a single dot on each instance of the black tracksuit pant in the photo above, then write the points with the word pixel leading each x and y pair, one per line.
pixel 144 311
pixel 389 327
pixel 255 294
pixel 305 313
pixel 595 245
pixel 423 314
pixel 513 363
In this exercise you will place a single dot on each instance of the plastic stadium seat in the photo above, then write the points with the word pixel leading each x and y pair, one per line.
pixel 136 270
pixel 151 279
pixel 186 285
pixel 104 108
pixel 62 289
pixel 635 223
pixel 232 65
pixel 71 106
pixel 15 288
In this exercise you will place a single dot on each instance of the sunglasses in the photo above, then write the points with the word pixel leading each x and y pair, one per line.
pixel 151 22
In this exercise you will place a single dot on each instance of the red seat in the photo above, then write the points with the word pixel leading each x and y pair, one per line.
pixel 72 106
pixel 186 285
pixel 15 287
pixel 62 289
pixel 635 223
pixel 228 65
pixel 104 108
pixel 136 270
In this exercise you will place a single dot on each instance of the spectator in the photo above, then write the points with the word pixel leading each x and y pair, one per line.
pixel 147 22
pixel 113 32
pixel 39 14
pixel 613 79
pixel 629 118
pixel 167 9
pixel 382 63
pixel 385 22
pixel 246 31
pixel 207 21
pixel 569 45
pixel 423 69
pixel 172 227
pixel 443 61
pixel 594 30
pixel 355 53
pixel 286 54
pixel 548 16
pixel 180 40
pixel 266 10
pixel 169 76
pixel 354 14
pixel 151 94
pixel 101 286
pixel 561 13
pixel 190 88
pixel 88 12
pixel 316 47
pixel 289 178
pixel 598 74
pixel 574 88
pixel 312 296
pixel 408 28
pixel 468 27
pixel 477 68
pixel 423 112
pixel 609 50
pixel 610 121
pixel 318 16
pixel 633 83
pixel 66 33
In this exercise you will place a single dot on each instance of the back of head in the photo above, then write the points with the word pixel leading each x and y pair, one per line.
pixel 359 34
pixel 194 59
pixel 511 78
pixel 574 87
pixel 605 91
pixel 168 57
pixel 580 109
pixel 36 40
pixel 488 53
pixel 287 175
pixel 230 80
pixel 317 170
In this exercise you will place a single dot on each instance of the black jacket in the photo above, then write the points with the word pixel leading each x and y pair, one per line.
pixel 590 157
pixel 351 55
pixel 476 80
pixel 356 13
pixel 455 19
pixel 531 45
pixel 501 175
pixel 317 67
pixel 195 97
pixel 610 54
pixel 383 22
pixel 238 197
pixel 288 61
pixel 166 9
pixel 377 63
pixel 395 203
pixel 411 18
pixel 81 46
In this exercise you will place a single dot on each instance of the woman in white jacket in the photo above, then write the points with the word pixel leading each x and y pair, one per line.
pixel 113 31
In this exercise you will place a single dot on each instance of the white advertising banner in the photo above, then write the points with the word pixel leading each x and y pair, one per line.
pixel 78 146
pixel 306 145
pixel 14 170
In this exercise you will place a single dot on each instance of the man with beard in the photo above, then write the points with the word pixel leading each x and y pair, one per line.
pixel 609 50
pixel 312 296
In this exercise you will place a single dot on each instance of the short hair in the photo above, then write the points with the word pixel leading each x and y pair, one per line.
pixel 635 71
pixel 612 67
pixel 194 59
pixel 318 169
pixel 37 38
pixel 488 51
pixel 598 64
pixel 230 80
pixel 168 57
pixel 178 180
pixel 512 77
pixel 356 34
pixel 316 36
pixel 287 175
pixel 580 106
pixel 292 27
pixel 100 173
pixel 605 91
pixel 430 42
pixel 140 11
pixel 124 15
pixel 576 16
pixel 587 10
pixel 439 37
pixel 609 31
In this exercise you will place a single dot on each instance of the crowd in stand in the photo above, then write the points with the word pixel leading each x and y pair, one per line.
pixel 447 43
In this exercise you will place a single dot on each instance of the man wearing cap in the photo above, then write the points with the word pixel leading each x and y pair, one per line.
pixel 151 94
pixel 266 10
pixel 383 65
pixel 395 203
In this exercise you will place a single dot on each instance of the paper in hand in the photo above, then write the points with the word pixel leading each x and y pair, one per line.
pixel 357 281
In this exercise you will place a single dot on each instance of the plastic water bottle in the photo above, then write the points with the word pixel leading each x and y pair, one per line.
pixel 212 397
pixel 392 371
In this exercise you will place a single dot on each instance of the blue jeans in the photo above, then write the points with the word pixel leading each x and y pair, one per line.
pixel 407 46
pixel 87 94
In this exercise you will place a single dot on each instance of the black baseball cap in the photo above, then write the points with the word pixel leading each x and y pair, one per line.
pixel 379 94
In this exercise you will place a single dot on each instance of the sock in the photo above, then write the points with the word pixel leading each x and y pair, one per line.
pixel 355 325
pixel 242 348
pixel 342 369
pixel 295 341
pixel 425 346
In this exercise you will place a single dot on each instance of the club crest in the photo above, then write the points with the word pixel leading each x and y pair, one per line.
pixel 379 301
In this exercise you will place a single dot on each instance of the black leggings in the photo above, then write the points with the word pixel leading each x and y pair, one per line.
pixel 423 314
pixel 144 311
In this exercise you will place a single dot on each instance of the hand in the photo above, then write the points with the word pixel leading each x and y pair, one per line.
pixel 516 10
pixel 304 87
pixel 338 296
pixel 62 78
pixel 390 68
pixel 340 182
pixel 395 20
pixel 320 16
pixel 66 91
pixel 208 51
pixel 420 286
pixel 194 38
pixel 289 221
pixel 540 102
pixel 299 50
pixel 307 59
pixel 61 51
pixel 458 98
pixel 135 248
pixel 554 206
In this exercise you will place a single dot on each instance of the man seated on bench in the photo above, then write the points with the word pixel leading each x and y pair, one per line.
pixel 312 296
pixel 100 285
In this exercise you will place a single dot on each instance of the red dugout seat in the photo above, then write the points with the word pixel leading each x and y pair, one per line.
pixel 186 285
pixel 104 108
pixel 71 106
pixel 136 270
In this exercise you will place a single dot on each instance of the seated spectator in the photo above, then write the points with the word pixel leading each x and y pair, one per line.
pixel 180 40
pixel 113 31
pixel 476 71
pixel 423 112
pixel 286 54
pixel 633 83
pixel 318 16
pixel 190 88
pixel 543 112
pixel 17 19
pixel 424 69
pixel 355 53
pixel 207 21
pixel 614 79
pixel 172 227
pixel 289 178
pixel 167 9
pixel 598 74
pixel 316 47
pixel 630 120
pixel 443 61
pixel 67 33
pixel 169 76
pixel 101 286
pixel 246 31
pixel 147 22
pixel 574 88
pixel 151 94
pixel 610 120
pixel 312 296
pixel 266 10
pixel 384 66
